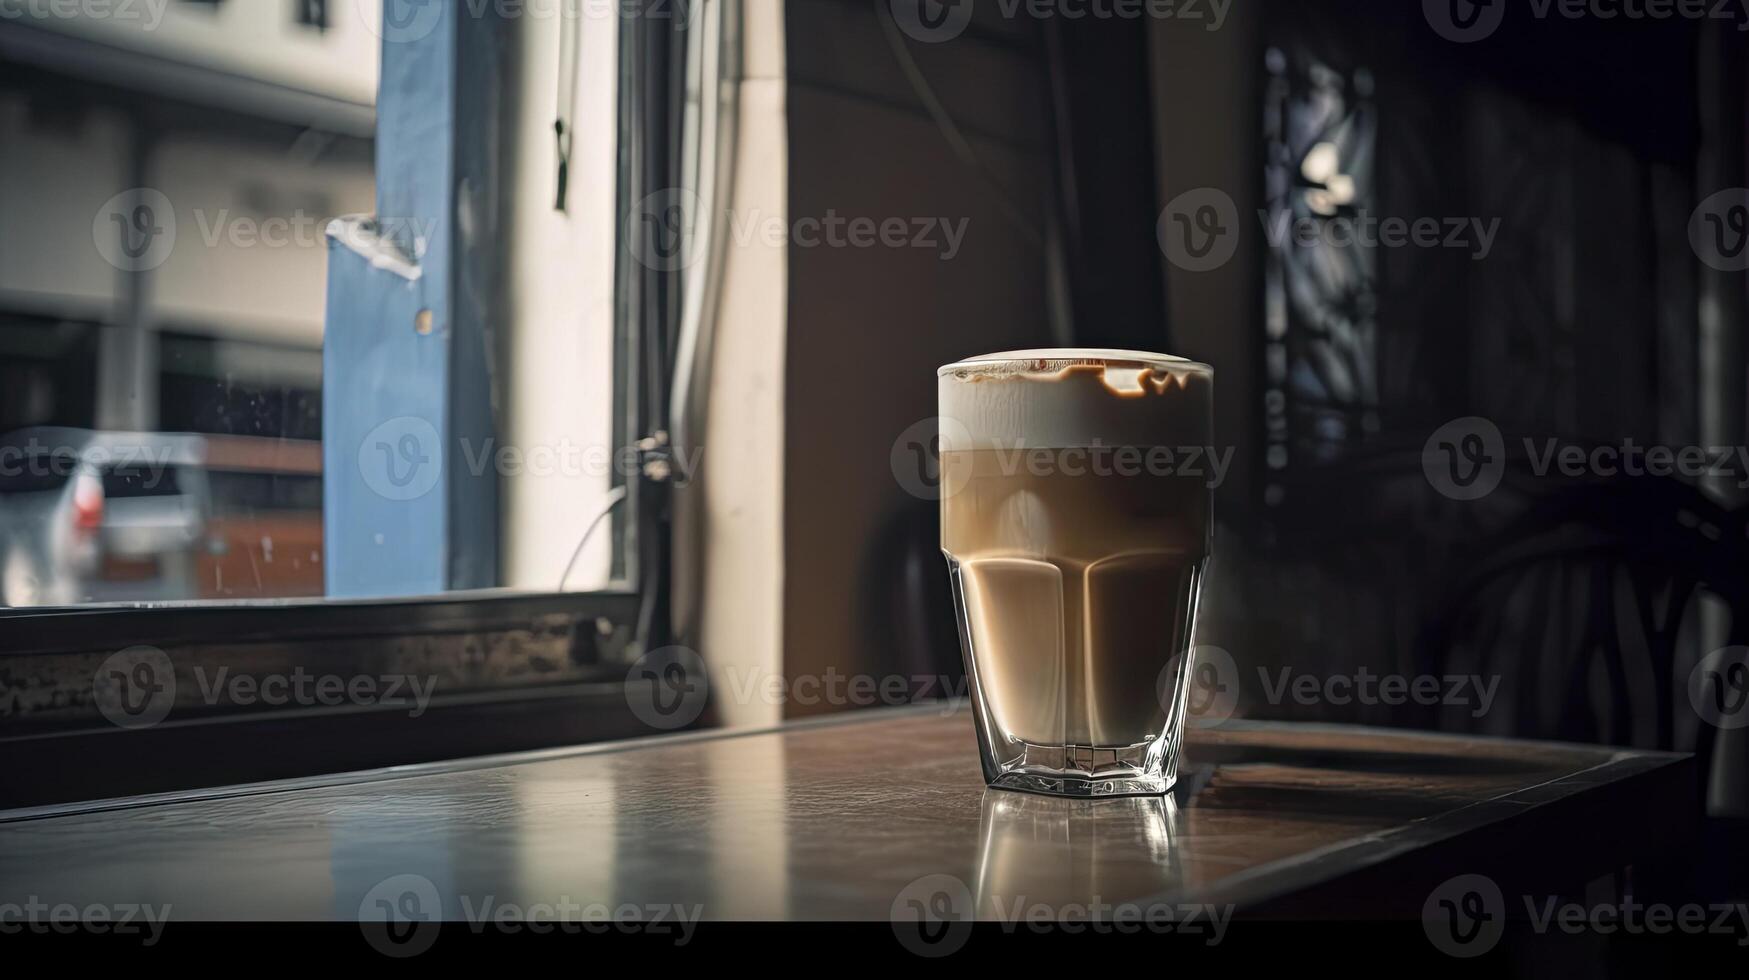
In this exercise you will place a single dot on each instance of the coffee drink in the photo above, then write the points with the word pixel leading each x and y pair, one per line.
pixel 1076 518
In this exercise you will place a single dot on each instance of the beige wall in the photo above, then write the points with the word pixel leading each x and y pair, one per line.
pixel 868 327
pixel 558 337
pixel 735 513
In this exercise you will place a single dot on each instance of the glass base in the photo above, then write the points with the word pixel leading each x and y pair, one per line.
pixel 1088 771
pixel 1075 719
pixel 1083 786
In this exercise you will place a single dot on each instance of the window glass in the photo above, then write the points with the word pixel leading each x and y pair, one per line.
pixel 180 419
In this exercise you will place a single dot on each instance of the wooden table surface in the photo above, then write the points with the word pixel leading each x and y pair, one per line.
pixel 836 819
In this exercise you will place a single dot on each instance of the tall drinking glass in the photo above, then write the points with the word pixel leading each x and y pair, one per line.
pixel 1076 500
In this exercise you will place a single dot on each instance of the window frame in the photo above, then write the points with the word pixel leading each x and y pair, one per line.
pixel 513 655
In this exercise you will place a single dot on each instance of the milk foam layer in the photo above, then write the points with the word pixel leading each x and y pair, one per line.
pixel 1059 399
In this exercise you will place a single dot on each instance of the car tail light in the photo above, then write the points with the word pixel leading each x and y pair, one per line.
pixel 87 506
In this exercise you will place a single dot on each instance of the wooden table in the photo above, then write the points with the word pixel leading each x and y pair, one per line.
pixel 837 819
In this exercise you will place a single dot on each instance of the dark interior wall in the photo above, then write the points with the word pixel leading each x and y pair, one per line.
pixel 869 326
pixel 1582 140
pixel 1205 86
pixel 1579 142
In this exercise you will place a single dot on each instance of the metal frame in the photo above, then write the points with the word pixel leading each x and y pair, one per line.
pixel 413 293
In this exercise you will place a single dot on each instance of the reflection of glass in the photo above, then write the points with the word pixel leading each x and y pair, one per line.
pixel 1042 850
pixel 1076 499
